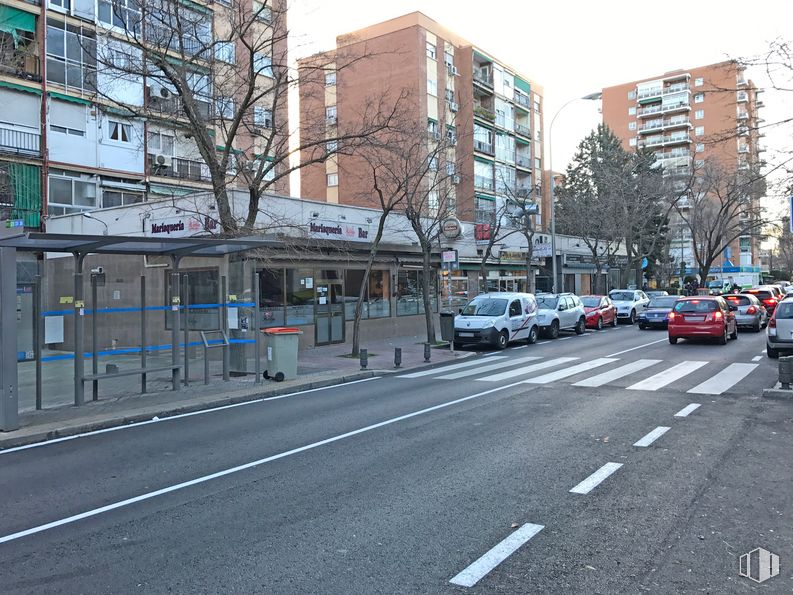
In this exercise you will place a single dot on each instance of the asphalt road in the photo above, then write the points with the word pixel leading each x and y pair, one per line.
pixel 557 467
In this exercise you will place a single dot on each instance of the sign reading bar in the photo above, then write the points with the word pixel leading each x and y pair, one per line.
pixel 338 231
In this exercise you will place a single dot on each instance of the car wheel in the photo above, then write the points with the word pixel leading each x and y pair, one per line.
pixel 553 332
pixel 457 346
pixel 673 340
pixel 633 317
pixel 580 327
pixel 772 353
pixel 757 326
pixel 734 335
pixel 532 338
pixel 642 326
pixel 723 339
pixel 599 323
pixel 502 340
pixel 614 321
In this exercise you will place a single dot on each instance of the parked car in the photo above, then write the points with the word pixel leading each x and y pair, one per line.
pixel 652 293
pixel 702 316
pixel 560 311
pixel 600 311
pixel 629 303
pixel 497 319
pixel 779 332
pixel 766 295
pixel 657 313
pixel 751 313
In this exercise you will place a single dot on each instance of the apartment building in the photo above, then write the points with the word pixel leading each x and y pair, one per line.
pixel 688 116
pixel 487 115
pixel 89 122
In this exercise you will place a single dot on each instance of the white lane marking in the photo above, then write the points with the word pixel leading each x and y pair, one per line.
pixel 637 347
pixel 495 556
pixel 442 369
pixel 618 373
pixel 488 368
pixel 724 380
pixel 757 358
pixel 181 416
pixel 492 354
pixel 571 371
pixel 666 377
pixel 519 347
pixel 652 436
pixel 238 468
pixel 594 480
pixel 565 338
pixel 687 409
pixel 527 369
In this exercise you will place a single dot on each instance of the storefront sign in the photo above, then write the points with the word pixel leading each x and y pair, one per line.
pixel 189 225
pixel 338 231
pixel 482 232
pixel 451 228
pixel 449 257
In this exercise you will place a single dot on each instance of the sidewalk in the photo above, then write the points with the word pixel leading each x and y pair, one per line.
pixel 317 368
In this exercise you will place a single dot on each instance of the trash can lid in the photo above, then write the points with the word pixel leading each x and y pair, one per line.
pixel 282 330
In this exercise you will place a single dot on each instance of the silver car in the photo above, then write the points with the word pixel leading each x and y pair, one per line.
pixel 562 311
pixel 779 332
pixel 751 313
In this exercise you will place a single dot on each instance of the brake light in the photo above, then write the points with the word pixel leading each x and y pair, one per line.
pixel 770 302
pixel 672 316
pixel 751 310
pixel 772 322
pixel 717 315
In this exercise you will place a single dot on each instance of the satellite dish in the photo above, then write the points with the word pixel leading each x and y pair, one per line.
pixel 164 93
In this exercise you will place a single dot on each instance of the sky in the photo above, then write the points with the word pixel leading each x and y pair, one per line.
pixel 576 47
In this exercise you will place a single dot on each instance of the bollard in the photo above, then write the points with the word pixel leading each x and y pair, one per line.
pixel 364 358
pixel 426 352
pixel 786 372
pixel 397 357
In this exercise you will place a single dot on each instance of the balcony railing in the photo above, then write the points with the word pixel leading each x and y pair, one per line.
pixel 663 124
pixel 660 91
pixel 484 113
pixel 664 140
pixel 522 99
pixel 523 130
pixel 182 169
pixel 483 79
pixel 485 216
pixel 524 162
pixel 483 147
pixel 743 115
pixel 483 183
pixel 20 62
pixel 660 109
pixel 20 142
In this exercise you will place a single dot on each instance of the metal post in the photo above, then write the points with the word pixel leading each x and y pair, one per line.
pixel 9 397
pixel 143 333
pixel 38 337
pixel 94 351
pixel 175 322
pixel 224 324
pixel 397 357
pixel 427 352
pixel 186 306
pixel 257 346
pixel 206 364
pixel 79 339
pixel 364 358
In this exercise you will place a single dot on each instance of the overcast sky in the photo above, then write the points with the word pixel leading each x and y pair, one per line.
pixel 576 47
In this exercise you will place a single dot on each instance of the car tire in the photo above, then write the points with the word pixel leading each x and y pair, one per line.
pixel 614 321
pixel 553 331
pixel 599 323
pixel 533 334
pixel 771 352
pixel 642 326
pixel 723 339
pixel 734 335
pixel 457 346
pixel 632 319
pixel 673 340
pixel 757 327
pixel 502 340
pixel 580 327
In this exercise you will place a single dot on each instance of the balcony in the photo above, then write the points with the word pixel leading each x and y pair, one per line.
pixel 483 147
pixel 665 124
pixel 523 161
pixel 483 183
pixel 484 78
pixel 181 169
pixel 523 130
pixel 643 112
pixel 741 96
pixel 657 92
pixel 743 115
pixel 484 113
pixel 19 59
pixel 522 100
pixel 19 142
pixel 660 141
pixel 523 191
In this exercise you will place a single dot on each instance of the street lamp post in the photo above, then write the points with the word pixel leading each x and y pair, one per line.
pixel 590 97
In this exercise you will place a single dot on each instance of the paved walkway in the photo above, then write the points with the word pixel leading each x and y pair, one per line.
pixel 318 367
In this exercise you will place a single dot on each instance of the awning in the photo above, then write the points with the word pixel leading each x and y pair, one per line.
pixel 13 20
pixel 122 186
pixel 172 190
pixel 64 97
pixel 22 88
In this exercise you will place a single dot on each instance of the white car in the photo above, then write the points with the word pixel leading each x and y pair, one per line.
pixel 496 319
pixel 629 302
pixel 560 311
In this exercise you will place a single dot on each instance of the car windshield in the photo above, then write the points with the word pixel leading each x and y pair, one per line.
pixel 667 301
pixel 694 306
pixel 590 301
pixel 485 307
pixel 785 310
pixel 621 296
pixel 547 302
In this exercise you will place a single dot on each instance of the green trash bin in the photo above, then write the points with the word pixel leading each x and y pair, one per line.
pixel 280 348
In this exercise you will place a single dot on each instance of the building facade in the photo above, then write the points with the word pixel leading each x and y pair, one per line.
pixel 688 117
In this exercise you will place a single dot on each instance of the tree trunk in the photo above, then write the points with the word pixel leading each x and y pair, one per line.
pixel 531 281
pixel 356 324
pixel 227 222
pixel 598 279
pixel 425 290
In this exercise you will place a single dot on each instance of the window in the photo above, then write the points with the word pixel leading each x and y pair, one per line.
pixel 124 14
pixel 631 125
pixel 65 130
pixel 117 198
pixel 271 297
pixel 448 59
pixel 699 163
pixel 433 203
pixel 537 163
pixel 433 163
pixel 699 97
pixel 71 57
pixel 330 79
pixel 700 147
pixel 698 81
pixel 450 168
pixel 432 87
pixel 632 111
pixel 62 4
pixel 119 131
pixel 70 193
pixel 262 117
pixel 330 114
pixel 332 146
pixel 515 309
pixel 333 179
pixel 376 302
pixel 632 142
pixel 263 64
pixel 203 287
pixel 225 51
pixel 431 51
pixel 409 292
pixel 699 130
pixel 632 94
pixel 432 127
pixel 160 143
pixel 261 12
pixel 224 107
pixel 67 118
pixel 699 114
pixel 299 296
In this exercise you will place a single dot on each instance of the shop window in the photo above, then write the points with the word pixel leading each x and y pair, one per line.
pixel 409 293
pixel 271 297
pixel 299 296
pixel 379 294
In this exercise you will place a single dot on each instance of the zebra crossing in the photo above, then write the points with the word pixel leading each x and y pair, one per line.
pixel 640 375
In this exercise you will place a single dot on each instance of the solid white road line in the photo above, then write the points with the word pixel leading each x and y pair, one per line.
pixel 442 369
pixel 238 468
pixel 481 567
pixel 618 373
pixel 652 436
pixel 527 369
pixel 594 480
pixel 571 371
pixel 637 347
pixel 488 368
pixel 666 377
pixel 724 380
pixel 757 358
pixel 181 416
pixel 687 409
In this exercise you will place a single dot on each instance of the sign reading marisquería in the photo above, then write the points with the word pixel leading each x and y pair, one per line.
pixel 338 231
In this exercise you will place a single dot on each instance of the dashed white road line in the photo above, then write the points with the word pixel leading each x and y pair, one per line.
pixel 594 480
pixel 757 358
pixel 687 409
pixel 652 436
pixel 496 555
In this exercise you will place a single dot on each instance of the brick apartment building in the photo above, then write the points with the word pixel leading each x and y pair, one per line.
pixel 687 116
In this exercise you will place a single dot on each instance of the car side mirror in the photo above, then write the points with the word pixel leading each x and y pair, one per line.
pixel 733 308
pixel 562 307
pixel 460 311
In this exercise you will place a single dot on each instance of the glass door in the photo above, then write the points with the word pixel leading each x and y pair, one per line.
pixel 329 313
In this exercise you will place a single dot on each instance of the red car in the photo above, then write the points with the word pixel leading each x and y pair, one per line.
pixel 703 316
pixel 600 311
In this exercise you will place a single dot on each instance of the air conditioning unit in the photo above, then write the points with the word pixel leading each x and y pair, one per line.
pixel 157 91
pixel 452 70
pixel 163 161
pixel 452 138
pixel 456 179
pixel 453 106
pixel 331 120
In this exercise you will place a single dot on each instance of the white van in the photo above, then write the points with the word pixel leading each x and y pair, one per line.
pixel 496 319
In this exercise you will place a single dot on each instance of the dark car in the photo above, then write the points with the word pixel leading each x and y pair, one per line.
pixel 657 313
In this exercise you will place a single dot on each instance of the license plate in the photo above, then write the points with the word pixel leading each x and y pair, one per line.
pixel 694 319
pixel 466 334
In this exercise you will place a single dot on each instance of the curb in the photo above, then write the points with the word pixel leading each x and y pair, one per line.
pixel 777 392
pixel 164 411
